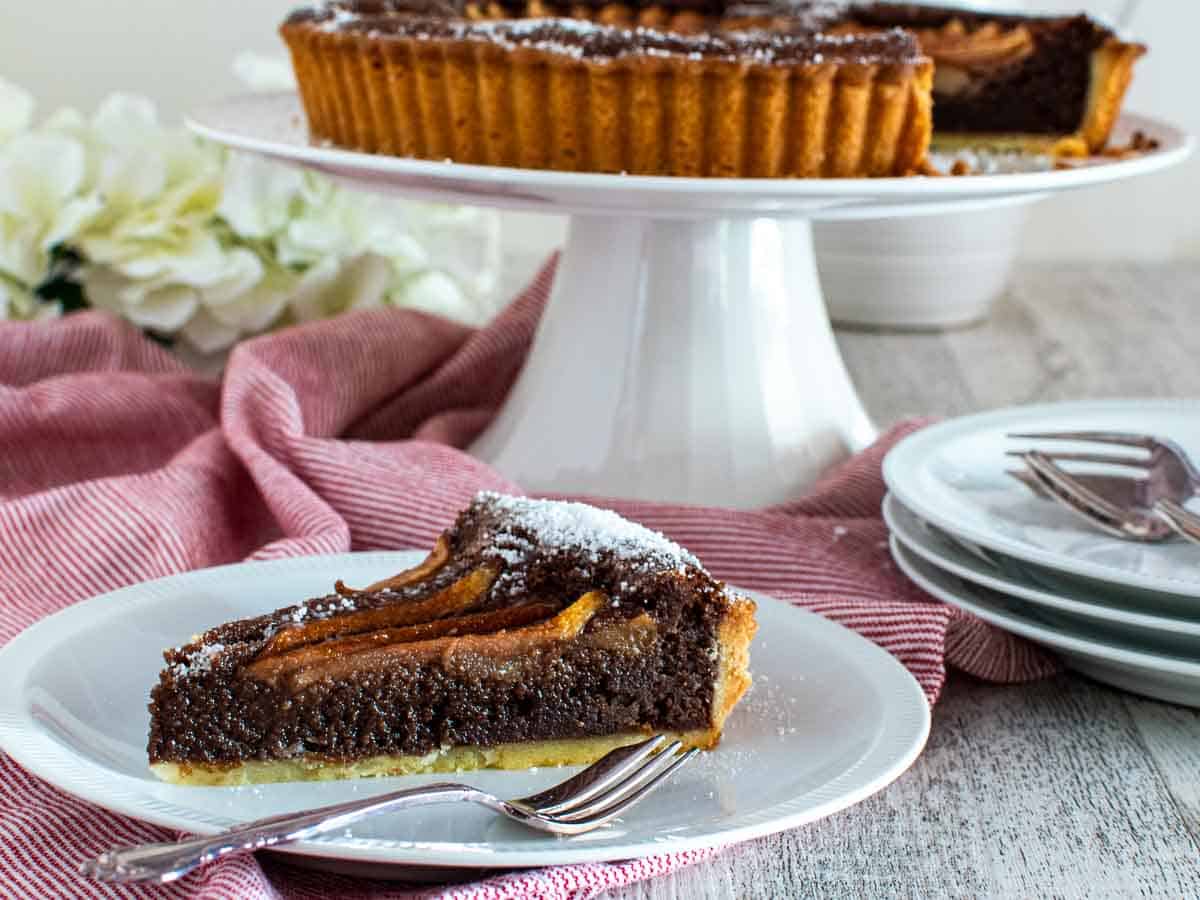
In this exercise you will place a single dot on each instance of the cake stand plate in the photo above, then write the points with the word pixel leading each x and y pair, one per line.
pixel 685 354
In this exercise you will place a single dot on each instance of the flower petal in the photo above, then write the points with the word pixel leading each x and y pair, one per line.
pixel 163 309
pixel 125 119
pixel 38 172
pixel 258 195
pixel 435 292
pixel 207 334
pixel 16 109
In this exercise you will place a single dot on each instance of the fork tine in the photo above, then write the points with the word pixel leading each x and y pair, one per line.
pixel 1111 459
pixel 609 813
pixel 1099 512
pixel 1119 438
pixel 1184 522
pixel 1122 491
pixel 1075 496
pixel 649 770
pixel 612 768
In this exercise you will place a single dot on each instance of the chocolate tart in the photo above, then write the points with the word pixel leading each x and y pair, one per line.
pixel 535 633
pixel 778 88
pixel 580 94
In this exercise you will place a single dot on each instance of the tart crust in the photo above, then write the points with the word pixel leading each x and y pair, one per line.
pixel 1112 73
pixel 564 752
pixel 653 113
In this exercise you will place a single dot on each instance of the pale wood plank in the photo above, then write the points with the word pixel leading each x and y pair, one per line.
pixel 1071 333
pixel 1172 738
pixel 903 375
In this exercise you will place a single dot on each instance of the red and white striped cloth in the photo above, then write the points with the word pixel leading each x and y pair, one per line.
pixel 118 464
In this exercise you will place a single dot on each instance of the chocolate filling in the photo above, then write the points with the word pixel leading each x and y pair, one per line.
pixel 645 658
pixel 1044 93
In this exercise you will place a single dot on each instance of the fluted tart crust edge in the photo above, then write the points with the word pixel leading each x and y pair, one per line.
pixel 525 106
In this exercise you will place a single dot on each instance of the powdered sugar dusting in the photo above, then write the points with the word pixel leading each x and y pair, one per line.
pixel 200 661
pixel 525 527
pixel 561 525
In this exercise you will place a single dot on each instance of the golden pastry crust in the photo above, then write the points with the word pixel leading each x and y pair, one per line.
pixel 669 114
pixel 1112 73
pixel 561 752
pixel 734 636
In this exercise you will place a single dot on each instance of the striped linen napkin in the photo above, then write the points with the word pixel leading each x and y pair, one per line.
pixel 118 464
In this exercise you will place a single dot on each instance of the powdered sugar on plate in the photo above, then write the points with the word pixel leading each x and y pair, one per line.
pixel 991 162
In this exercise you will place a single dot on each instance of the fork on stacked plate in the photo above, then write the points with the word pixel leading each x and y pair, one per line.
pixel 1146 506
pixel 1087 548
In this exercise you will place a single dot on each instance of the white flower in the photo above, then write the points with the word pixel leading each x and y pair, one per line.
pixel 158 187
pixel 125 119
pixel 226 316
pixel 40 206
pixel 16 109
pixel 183 238
pixel 436 292
pixel 17 303
pixel 163 290
pixel 164 308
pixel 258 197
pixel 332 287
pixel 343 223
pixel 463 242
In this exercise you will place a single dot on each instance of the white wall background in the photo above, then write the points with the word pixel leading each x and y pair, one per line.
pixel 179 53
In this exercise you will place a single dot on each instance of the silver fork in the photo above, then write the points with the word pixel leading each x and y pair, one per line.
pixel 582 803
pixel 1147 508
pixel 1127 523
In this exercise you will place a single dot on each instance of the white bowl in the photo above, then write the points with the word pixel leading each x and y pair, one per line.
pixel 926 272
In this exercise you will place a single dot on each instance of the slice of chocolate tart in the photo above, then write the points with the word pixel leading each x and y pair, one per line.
pixel 535 633
pixel 1048 84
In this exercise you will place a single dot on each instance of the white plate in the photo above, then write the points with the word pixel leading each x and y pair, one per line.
pixel 831 720
pixel 1070 604
pixel 953 476
pixel 1164 677
pixel 274 125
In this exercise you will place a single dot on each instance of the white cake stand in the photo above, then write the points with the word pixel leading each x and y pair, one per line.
pixel 685 354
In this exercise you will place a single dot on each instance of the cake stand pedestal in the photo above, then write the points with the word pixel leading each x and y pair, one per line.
pixel 684 359
pixel 685 354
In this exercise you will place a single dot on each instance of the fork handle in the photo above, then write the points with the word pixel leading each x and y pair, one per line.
pixel 165 862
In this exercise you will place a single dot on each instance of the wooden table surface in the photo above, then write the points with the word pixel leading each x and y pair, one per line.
pixel 1063 788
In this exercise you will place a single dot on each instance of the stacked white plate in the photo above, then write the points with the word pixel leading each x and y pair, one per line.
pixel 1122 613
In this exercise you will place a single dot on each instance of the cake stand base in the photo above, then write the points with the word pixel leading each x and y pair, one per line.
pixel 681 360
